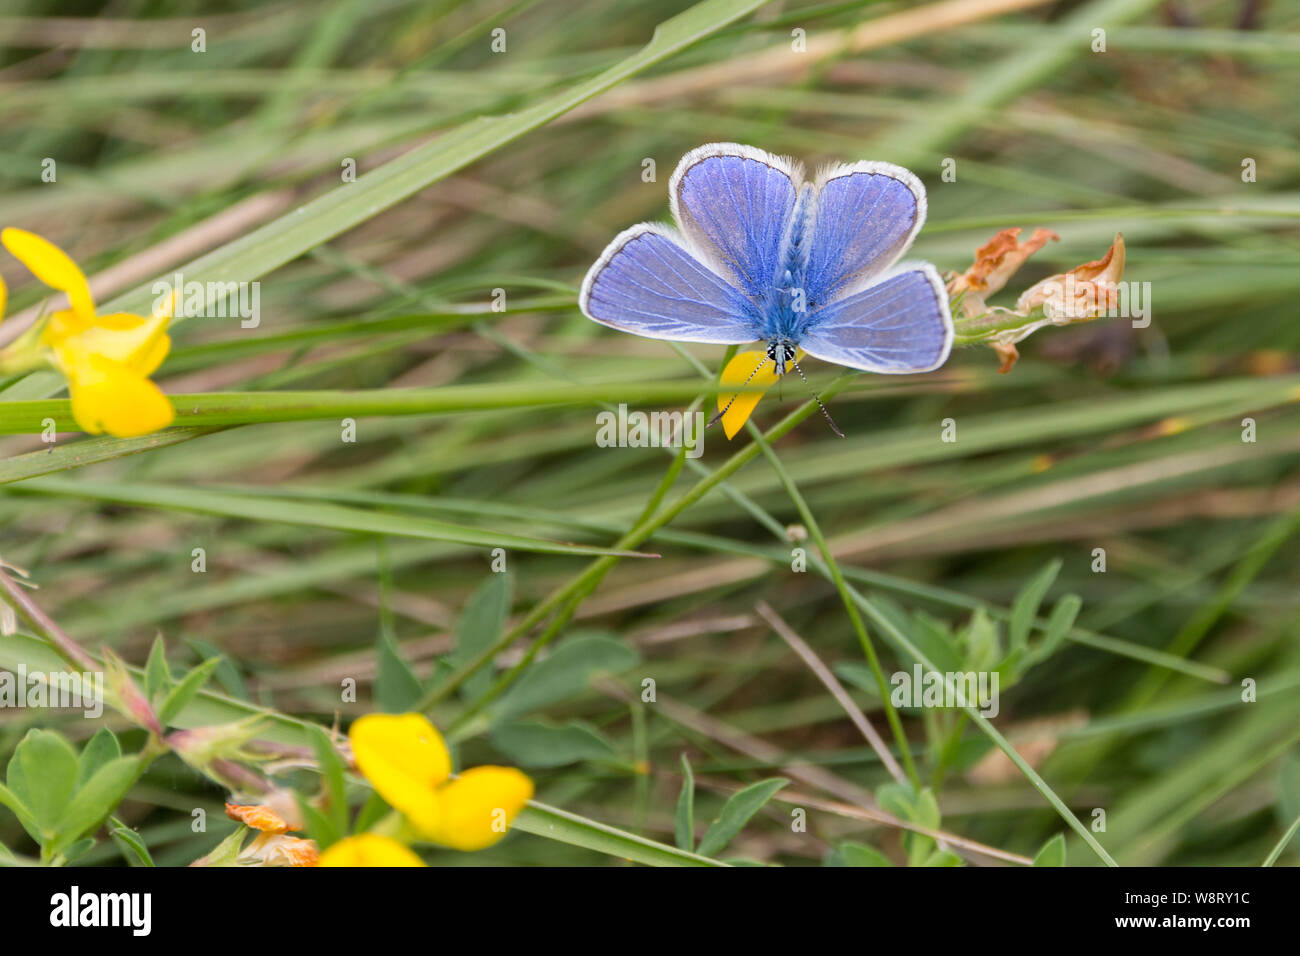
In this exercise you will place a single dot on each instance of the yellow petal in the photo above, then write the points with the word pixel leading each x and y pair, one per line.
pixel 62 326
pixel 167 307
pixel 369 849
pixel 52 266
pixel 4 297
pixel 404 758
pixel 108 396
pixel 478 806
pixel 740 371
pixel 140 344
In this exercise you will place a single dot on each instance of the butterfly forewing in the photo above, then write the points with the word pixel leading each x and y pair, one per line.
pixel 734 272
pixel 897 325
pixel 646 283
pixel 733 203
pixel 867 216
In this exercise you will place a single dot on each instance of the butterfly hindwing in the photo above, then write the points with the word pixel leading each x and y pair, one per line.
pixel 867 216
pixel 718 280
pixel 733 204
pixel 648 284
pixel 898 325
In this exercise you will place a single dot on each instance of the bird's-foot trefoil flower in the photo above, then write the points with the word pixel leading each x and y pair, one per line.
pixel 406 761
pixel 106 359
pixel 369 849
pixel 754 370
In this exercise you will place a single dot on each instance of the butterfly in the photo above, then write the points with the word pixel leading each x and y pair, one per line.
pixel 759 254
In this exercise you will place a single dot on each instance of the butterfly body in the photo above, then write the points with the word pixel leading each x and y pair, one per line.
pixel 782 353
pixel 761 255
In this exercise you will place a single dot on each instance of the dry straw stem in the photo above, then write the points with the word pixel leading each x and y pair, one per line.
pixel 861 804
pixel 824 674
pixel 222 227
pixel 779 63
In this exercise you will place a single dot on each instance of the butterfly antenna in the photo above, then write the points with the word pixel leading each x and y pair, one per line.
pixel 817 399
pixel 716 418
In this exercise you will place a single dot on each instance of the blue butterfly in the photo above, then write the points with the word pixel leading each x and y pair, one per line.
pixel 761 255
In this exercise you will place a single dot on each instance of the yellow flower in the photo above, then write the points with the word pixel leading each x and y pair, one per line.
pixel 404 758
pixel 368 849
pixel 740 371
pixel 106 359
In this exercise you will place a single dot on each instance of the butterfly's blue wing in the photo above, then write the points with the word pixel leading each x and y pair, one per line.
pixel 867 216
pixel 648 283
pixel 900 324
pixel 733 204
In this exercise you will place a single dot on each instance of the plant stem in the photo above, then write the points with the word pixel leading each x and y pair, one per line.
pixel 837 578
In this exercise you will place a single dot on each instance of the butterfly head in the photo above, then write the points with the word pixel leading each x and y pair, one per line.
pixel 782 353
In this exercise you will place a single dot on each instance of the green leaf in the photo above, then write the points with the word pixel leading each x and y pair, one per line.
pixel 921 809
pixel 43 776
pixel 556 824
pixel 320 826
pixel 96 800
pixel 372 811
pixel 157 675
pixel 227 851
pixel 925 813
pixel 1052 853
pixel 898 799
pixel 981 641
pixel 208 707
pixel 1024 609
pixel 270 246
pixel 859 675
pixel 1058 625
pixel 736 812
pixel 227 674
pixel 937 642
pixel 537 744
pixel 858 854
pixel 565 673
pixel 272 509
pixel 479 625
pixel 134 850
pixel 942 858
pixel 930 635
pixel 78 849
pixel 19 809
pixel 99 750
pixel 396 686
pixel 1288 789
pixel 184 691
pixel 334 780
pixel 684 824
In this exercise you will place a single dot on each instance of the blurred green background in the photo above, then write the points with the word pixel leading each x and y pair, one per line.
pixel 1102 437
